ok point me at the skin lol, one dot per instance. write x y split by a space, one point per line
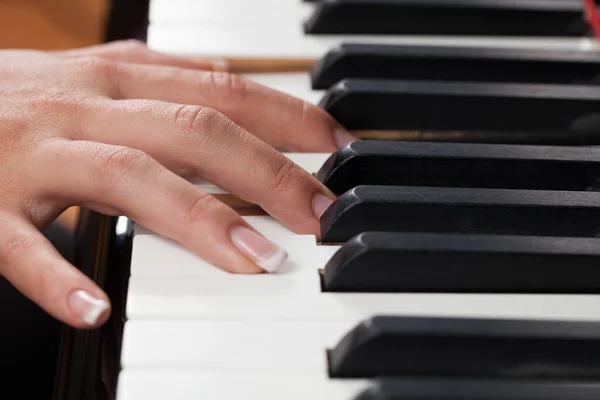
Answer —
117 129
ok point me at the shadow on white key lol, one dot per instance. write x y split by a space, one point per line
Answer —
195 385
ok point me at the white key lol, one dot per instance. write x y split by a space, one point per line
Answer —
298 296
192 288
153 254
284 343
285 39
198 11
294 346
194 385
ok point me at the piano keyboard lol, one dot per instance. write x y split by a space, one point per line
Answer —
275 29
458 264
194 330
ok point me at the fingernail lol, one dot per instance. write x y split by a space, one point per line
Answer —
87 307
343 137
265 253
220 64
320 204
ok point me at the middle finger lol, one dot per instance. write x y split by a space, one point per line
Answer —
201 140
279 119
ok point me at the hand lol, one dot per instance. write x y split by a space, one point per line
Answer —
114 129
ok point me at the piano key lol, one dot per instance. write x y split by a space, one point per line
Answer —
154 254
454 347
455 17
460 210
195 11
285 344
401 262
192 292
472 389
465 106
469 165
135 384
281 39
194 384
455 64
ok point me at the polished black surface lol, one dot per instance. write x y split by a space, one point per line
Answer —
477 389
467 348
395 262
455 63
403 163
373 104
449 17
460 210
89 360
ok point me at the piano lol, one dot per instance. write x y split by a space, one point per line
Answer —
461 260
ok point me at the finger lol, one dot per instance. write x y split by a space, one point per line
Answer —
277 118
200 139
133 51
101 176
30 262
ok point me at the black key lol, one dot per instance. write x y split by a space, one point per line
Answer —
421 262
469 165
464 106
477 389
472 64
461 210
449 17
455 347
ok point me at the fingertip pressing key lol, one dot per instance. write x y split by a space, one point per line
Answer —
343 137
264 253
320 204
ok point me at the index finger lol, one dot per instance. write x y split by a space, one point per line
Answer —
278 118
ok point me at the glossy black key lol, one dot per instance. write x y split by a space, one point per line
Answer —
455 347
477 389
461 210
420 262
449 17
401 163
464 106
406 62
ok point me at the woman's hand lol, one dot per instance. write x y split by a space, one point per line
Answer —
114 129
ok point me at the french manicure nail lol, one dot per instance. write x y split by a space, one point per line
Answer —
343 137
265 253
320 204
88 308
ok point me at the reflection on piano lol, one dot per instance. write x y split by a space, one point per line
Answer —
461 260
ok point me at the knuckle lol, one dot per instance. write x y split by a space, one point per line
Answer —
199 124
231 87
97 67
133 45
285 173
201 207
120 162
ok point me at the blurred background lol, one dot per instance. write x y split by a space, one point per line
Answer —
52 25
